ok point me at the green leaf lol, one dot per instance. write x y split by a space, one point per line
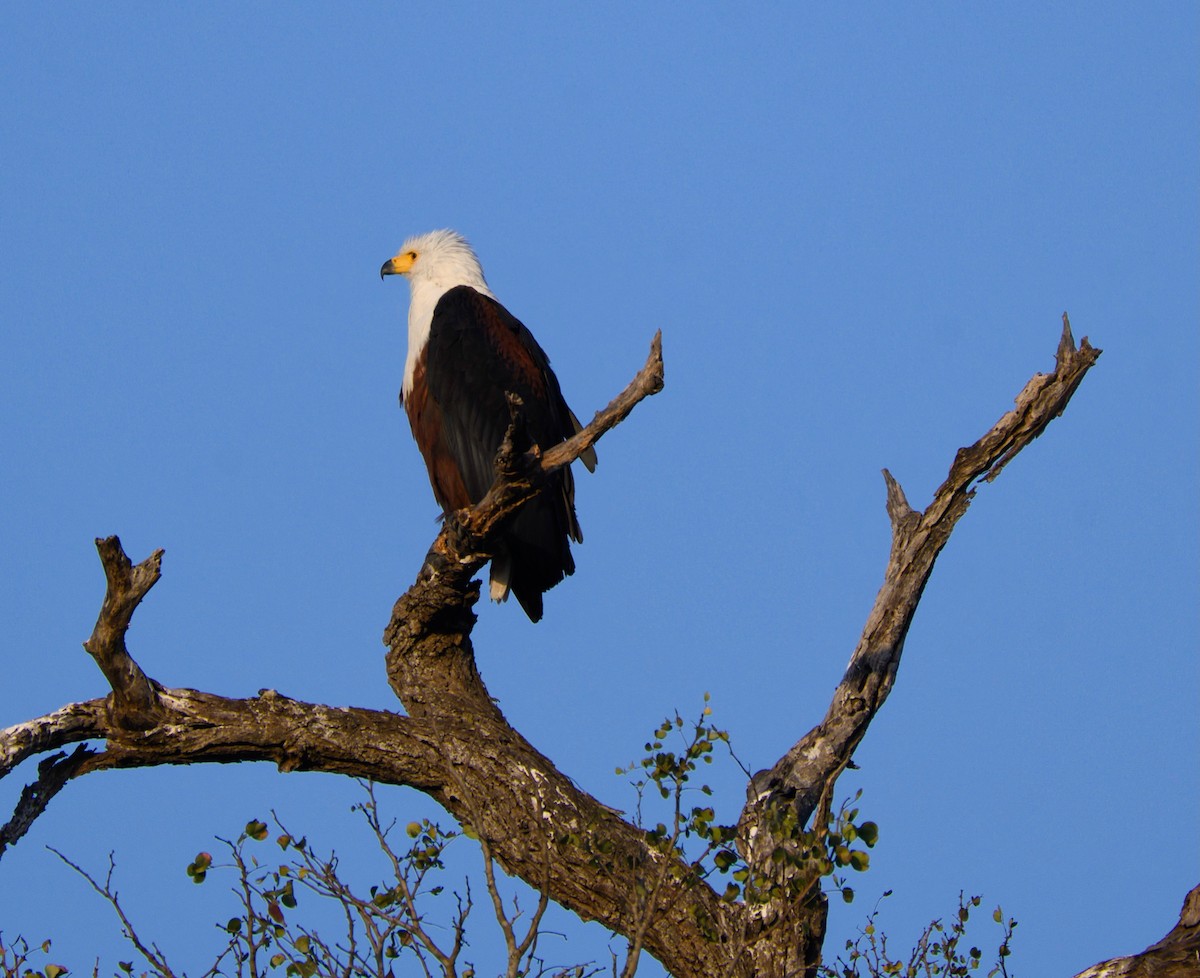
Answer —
302 943
859 860
277 960
198 867
869 833
126 966
54 970
724 859
847 894
413 829
256 830
234 926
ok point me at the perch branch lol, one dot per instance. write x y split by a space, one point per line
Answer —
521 478
511 794
442 600
456 746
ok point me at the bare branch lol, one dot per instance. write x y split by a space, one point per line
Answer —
53 773
649 381
809 769
199 727
456 746
464 545
1176 956
134 698
68 725
152 954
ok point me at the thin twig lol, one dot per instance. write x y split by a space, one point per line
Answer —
152 954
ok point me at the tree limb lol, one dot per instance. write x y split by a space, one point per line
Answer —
53 773
456 746
454 734
134 700
807 772
1176 956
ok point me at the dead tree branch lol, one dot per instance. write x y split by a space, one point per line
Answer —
134 700
53 774
1176 956
455 745
809 769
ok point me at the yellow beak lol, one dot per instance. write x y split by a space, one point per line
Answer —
400 265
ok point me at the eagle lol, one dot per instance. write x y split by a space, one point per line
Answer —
466 352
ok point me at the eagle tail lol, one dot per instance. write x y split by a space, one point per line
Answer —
501 573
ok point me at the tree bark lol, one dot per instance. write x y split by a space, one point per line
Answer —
455 745
1176 956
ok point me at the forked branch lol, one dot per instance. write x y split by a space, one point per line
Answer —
456 746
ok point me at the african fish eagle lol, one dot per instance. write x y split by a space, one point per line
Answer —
465 351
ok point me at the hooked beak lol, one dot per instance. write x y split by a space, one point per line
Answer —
401 264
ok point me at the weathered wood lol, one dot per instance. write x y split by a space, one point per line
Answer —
1176 956
134 702
807 772
456 746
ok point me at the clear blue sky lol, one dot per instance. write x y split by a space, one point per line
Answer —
857 231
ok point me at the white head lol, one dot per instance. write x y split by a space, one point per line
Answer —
433 263
437 260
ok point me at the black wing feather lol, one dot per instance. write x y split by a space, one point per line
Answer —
477 352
